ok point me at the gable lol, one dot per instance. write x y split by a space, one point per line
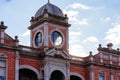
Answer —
8 40
54 52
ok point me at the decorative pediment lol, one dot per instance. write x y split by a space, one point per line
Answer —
2 55
55 52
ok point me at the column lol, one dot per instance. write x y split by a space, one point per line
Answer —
46 70
91 72
45 38
67 70
16 65
2 36
101 57
111 74
2 29
110 58
119 60
16 59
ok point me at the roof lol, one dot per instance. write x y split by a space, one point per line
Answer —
52 9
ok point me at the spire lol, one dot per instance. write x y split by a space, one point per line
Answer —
48 1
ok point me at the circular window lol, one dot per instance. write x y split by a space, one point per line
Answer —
38 39
56 38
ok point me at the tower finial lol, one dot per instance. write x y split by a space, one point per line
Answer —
48 1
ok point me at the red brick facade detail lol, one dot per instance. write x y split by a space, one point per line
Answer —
47 61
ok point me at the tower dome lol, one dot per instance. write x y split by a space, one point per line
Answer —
52 9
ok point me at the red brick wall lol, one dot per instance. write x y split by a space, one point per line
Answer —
11 62
97 69
31 62
77 69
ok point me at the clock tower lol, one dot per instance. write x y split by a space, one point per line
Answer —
49 33
49 28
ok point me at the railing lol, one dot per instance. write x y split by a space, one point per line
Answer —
29 49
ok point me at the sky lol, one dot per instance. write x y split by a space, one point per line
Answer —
93 22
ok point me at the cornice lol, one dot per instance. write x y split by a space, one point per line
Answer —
48 20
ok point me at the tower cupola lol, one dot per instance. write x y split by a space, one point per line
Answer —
51 9
49 27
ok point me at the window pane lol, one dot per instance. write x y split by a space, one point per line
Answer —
38 39
2 78
101 77
2 63
2 71
118 78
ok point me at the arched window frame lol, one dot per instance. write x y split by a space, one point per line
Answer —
3 66
118 78
101 76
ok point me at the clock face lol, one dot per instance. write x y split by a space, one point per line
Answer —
56 38
38 39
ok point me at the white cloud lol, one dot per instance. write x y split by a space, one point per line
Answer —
92 39
77 21
77 50
84 21
71 13
74 37
27 33
79 5
113 34
75 33
74 17
106 19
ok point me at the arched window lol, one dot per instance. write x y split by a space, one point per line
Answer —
57 75
2 66
101 75
118 77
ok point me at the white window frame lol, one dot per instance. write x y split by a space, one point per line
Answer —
118 78
3 58
101 74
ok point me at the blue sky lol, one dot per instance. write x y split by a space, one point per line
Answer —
93 22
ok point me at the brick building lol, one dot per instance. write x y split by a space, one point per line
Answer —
48 58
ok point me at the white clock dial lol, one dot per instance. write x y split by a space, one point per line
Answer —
38 39
56 38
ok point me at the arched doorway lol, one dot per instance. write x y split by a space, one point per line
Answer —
73 77
27 74
57 75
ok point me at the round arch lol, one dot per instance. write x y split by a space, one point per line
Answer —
57 75
30 68
77 75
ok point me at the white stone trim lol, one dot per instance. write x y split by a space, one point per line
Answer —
119 60
101 71
33 41
16 65
38 27
76 74
67 38
62 53
46 34
4 58
110 56
31 37
31 68
2 36
101 57
91 72
53 64
63 38
41 74
56 25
